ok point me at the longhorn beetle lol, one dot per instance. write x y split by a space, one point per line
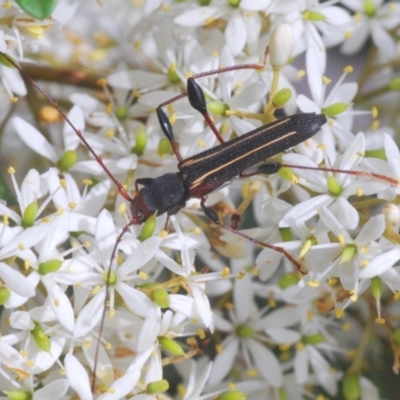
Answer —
205 172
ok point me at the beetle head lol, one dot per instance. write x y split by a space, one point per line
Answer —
140 211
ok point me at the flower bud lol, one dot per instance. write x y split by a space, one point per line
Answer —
348 253
41 339
141 142
164 146
121 112
313 339
30 215
334 187
335 109
171 345
160 297
280 45
391 212
288 280
234 395
376 287
160 386
4 295
217 108
244 331
351 387
282 97
18 395
147 228
49 266
67 160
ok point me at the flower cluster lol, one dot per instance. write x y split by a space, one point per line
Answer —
188 305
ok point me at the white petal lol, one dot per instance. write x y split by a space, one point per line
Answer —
283 336
223 361
252 93
16 281
263 356
77 377
54 390
122 386
197 17
150 330
60 303
235 34
371 231
105 236
21 320
90 315
136 79
243 298
71 139
380 264
300 366
135 300
34 139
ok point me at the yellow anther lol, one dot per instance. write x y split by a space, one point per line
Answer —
322 146
5 220
375 124
354 298
346 327
27 264
101 82
225 272
21 246
214 53
109 108
300 346
14 99
137 44
313 283
364 249
284 347
359 192
357 17
172 118
342 240
72 205
60 211
301 73
11 170
332 281
46 220
163 234
201 333
56 302
310 315
219 349
122 209
374 112
347 35
339 313
255 271
87 343
7 5
95 290
63 183
229 305
49 114
108 346
326 80
232 386
348 70
143 275
111 313
305 249
36 31
396 296
252 373
240 275
87 182
209 20
86 244
109 133
380 321
364 263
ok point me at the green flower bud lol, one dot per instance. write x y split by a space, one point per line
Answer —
283 394
49 266
313 339
286 173
160 297
288 280
244 331
171 345
147 285
234 3
147 228
334 187
157 387
377 153
286 234
41 339
394 84
67 160
314 16
4 295
164 146
217 108
121 112
334 109
5 62
376 287
30 215
396 337
112 279
141 142
348 253
173 77
282 97
234 395
351 386
18 395
369 8
280 46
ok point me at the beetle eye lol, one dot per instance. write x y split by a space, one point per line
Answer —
139 216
